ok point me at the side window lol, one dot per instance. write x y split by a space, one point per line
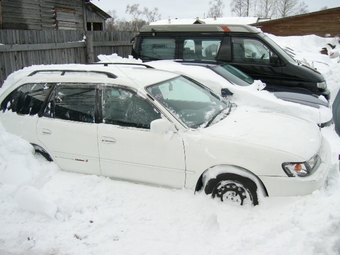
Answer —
201 48
158 48
72 103
27 99
189 50
177 94
251 51
124 108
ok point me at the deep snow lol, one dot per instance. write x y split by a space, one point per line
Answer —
48 211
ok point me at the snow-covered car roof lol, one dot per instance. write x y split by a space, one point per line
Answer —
134 76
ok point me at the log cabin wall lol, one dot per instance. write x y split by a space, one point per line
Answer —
324 23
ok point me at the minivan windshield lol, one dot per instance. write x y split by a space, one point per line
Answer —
190 102
277 48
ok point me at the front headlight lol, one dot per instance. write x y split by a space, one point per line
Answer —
321 85
302 169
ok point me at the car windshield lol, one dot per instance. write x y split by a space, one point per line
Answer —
278 48
233 75
190 102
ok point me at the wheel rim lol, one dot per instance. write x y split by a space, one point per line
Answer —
233 192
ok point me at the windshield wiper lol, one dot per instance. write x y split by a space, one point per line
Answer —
217 114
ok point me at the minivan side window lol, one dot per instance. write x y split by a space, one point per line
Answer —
125 108
27 99
248 50
200 48
158 48
72 103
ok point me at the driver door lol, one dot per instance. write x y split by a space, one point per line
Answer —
256 59
129 150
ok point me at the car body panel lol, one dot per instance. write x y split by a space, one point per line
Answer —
301 186
303 99
73 145
254 131
141 155
254 138
21 125
336 113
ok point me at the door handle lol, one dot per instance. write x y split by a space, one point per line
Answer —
46 131
108 140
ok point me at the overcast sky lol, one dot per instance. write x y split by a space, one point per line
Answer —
187 8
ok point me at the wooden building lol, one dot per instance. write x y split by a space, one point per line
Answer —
323 23
95 17
51 14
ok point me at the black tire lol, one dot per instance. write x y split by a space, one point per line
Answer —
233 188
42 152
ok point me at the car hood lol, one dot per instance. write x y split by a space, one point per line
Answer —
300 98
268 129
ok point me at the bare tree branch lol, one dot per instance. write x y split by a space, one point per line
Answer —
216 9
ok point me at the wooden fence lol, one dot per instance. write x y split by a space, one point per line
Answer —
22 48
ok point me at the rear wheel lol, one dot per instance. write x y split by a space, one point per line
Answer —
232 188
42 152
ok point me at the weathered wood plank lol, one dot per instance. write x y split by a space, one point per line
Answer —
45 46
21 48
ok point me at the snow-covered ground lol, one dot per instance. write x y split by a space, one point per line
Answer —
48 211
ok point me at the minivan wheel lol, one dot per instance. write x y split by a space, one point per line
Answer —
237 190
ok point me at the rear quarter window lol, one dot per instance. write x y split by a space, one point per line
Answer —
158 48
27 99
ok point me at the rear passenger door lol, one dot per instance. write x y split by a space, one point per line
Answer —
68 130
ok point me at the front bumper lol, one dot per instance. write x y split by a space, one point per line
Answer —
298 186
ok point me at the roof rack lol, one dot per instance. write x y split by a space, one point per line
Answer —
63 72
200 28
123 63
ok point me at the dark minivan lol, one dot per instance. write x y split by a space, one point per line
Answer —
243 46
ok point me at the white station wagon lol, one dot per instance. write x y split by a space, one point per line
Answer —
157 127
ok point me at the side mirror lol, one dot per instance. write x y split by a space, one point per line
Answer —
226 92
160 126
275 60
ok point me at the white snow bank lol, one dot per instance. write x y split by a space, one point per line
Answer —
31 199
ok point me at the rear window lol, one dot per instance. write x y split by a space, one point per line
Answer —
158 48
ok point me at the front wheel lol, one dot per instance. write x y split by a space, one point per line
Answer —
233 188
